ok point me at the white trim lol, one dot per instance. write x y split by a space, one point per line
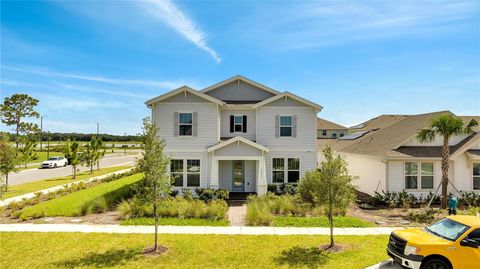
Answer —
289 95
419 176
241 123
239 78
185 124
280 126
241 158
239 139
183 89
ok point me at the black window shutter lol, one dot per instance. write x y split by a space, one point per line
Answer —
244 123
232 123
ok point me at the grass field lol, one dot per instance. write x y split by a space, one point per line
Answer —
71 204
41 156
176 222
77 250
16 190
340 222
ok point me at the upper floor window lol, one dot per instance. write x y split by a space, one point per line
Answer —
413 174
342 134
324 132
238 124
476 176
286 125
334 135
185 125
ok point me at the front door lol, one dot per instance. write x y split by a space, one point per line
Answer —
238 177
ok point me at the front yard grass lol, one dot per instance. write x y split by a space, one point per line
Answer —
88 250
72 204
338 222
176 222
15 190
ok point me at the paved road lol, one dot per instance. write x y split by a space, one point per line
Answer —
39 174
387 264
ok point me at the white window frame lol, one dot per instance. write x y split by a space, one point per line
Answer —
285 126
475 176
419 175
184 124
277 170
286 170
184 174
179 174
193 173
235 123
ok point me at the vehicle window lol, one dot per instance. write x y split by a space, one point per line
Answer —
52 159
447 229
475 235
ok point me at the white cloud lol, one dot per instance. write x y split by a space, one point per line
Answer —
167 11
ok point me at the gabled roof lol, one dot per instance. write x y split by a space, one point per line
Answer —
288 95
379 122
237 139
182 90
328 125
242 78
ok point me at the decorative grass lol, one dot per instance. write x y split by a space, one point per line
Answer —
175 222
15 190
338 222
73 204
91 250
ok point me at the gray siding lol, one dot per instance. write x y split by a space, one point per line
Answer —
225 175
163 116
289 102
185 98
308 161
225 123
306 129
239 91
238 149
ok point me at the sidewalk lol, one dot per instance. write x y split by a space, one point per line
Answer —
231 230
59 187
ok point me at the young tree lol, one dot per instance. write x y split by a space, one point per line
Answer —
445 126
14 109
8 159
71 151
97 146
88 157
329 186
28 150
156 184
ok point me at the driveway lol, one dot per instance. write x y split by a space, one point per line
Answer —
387 264
39 174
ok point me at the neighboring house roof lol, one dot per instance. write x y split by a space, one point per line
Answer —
239 139
288 95
379 122
182 90
242 78
328 125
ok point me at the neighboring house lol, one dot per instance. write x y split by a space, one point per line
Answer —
330 130
237 135
386 155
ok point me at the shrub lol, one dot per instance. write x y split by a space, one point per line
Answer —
288 188
422 216
258 214
222 194
406 200
174 193
207 194
470 199
99 205
125 209
273 188
216 210
187 194
474 211
84 209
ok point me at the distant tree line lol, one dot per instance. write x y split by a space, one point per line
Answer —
84 137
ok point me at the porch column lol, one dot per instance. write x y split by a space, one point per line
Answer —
214 175
261 177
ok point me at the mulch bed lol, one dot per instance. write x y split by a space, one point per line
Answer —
335 249
150 251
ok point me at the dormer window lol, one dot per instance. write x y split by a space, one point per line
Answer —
185 124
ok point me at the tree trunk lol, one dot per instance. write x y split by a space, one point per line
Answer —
330 221
98 165
16 139
74 171
445 167
6 182
91 168
156 224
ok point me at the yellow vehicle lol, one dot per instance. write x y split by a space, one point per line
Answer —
452 243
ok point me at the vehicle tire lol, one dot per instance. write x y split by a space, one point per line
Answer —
66 163
435 263
55 166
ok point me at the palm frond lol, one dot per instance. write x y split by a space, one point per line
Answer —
426 135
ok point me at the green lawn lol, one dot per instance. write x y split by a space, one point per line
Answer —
71 204
41 156
340 222
176 222
16 190
88 250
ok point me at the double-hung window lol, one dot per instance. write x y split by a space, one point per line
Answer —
293 170
238 124
413 174
193 173
185 124
176 171
286 125
324 132
278 170
476 176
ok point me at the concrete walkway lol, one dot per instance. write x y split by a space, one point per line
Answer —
237 230
236 213
387 264
59 187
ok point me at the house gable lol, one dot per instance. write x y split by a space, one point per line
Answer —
184 94
239 89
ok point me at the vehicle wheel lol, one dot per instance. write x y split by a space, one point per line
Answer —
65 164
435 263
55 166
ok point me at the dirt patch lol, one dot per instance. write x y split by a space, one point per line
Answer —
335 249
151 251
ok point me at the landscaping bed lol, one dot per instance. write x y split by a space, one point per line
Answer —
322 221
48 250
176 222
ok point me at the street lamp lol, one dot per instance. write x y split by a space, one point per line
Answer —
98 126
41 130
125 146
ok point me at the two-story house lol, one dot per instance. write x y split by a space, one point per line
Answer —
237 134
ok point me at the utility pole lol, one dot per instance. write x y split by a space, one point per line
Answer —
41 130
48 145
98 126
125 145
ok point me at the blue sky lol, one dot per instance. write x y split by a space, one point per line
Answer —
92 61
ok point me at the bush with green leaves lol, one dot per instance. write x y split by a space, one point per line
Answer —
207 194
470 199
273 188
288 188
423 216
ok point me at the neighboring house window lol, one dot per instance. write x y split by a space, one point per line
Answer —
334 135
286 125
193 173
278 170
185 124
238 122
176 170
411 172
293 170
342 134
476 176
324 132
425 174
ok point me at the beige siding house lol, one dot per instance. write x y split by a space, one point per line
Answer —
237 134
385 154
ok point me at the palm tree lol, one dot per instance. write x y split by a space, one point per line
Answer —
446 126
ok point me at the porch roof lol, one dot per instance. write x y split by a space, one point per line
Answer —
237 139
